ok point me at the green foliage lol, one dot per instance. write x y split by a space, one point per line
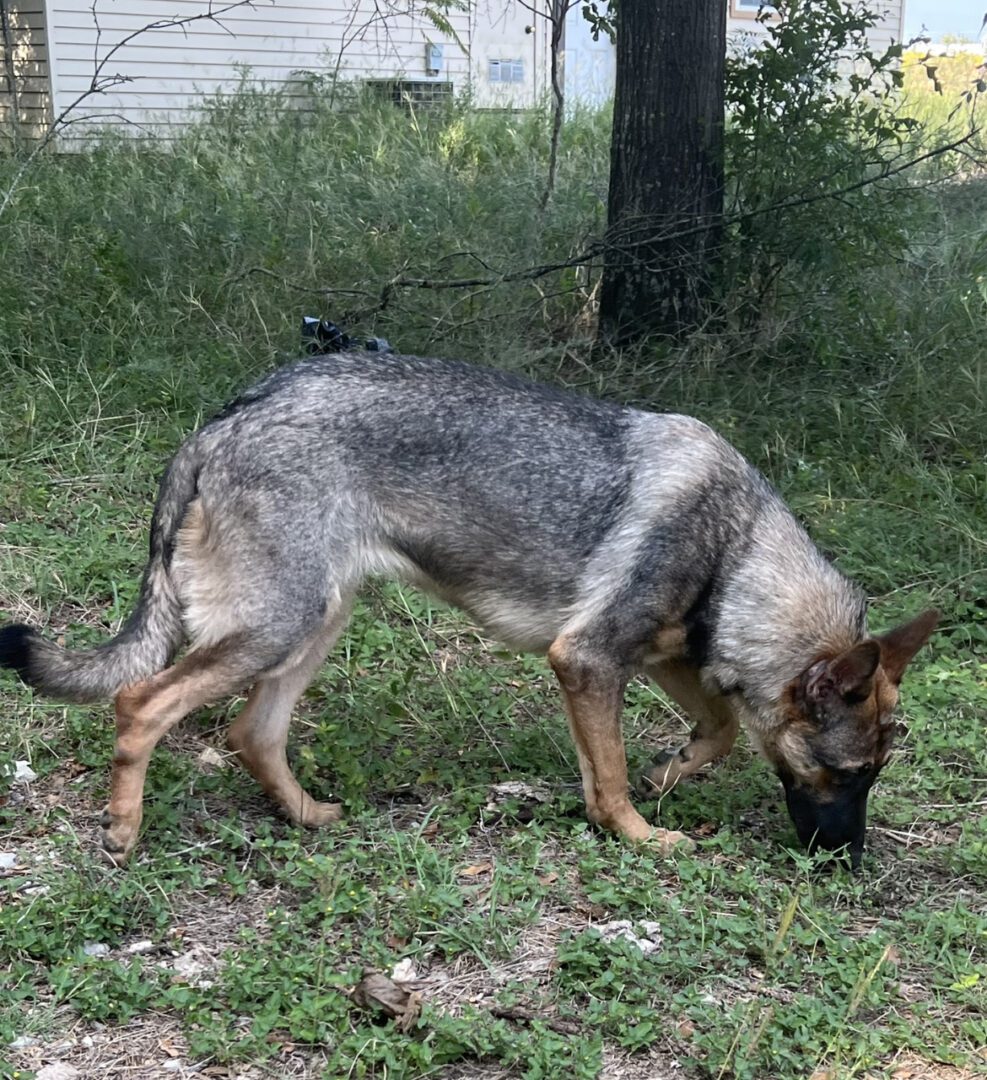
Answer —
945 93
814 110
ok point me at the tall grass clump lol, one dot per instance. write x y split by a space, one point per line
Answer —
168 272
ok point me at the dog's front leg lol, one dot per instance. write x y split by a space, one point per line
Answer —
593 689
715 731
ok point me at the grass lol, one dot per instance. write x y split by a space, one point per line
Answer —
138 290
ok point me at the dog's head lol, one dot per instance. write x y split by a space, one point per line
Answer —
837 735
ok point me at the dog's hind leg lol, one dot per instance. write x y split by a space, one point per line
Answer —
259 734
147 710
593 693
713 736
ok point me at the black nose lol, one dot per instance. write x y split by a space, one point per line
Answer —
834 824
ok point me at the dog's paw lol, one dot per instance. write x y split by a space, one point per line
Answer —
662 776
633 828
117 837
312 814
322 813
668 841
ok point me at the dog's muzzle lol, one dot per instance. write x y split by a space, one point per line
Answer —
835 824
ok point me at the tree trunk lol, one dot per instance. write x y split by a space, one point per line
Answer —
666 169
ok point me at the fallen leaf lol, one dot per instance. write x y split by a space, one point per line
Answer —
517 789
189 967
686 1029
646 935
58 1070
548 879
378 993
210 758
169 1048
24 774
527 1016
591 912
476 869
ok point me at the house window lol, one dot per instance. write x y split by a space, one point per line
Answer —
505 71
406 93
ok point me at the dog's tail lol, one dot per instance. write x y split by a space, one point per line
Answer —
148 639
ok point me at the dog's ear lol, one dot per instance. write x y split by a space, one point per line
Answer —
849 676
898 646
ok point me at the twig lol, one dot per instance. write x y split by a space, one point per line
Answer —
557 12
526 1016
296 285
10 74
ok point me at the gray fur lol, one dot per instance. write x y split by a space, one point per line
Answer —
541 513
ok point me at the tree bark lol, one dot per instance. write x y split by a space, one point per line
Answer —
665 204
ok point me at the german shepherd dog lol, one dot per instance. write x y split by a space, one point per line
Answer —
616 541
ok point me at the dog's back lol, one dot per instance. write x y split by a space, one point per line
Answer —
521 503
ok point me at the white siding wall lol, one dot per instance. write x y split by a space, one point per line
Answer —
503 30
590 66
171 68
892 28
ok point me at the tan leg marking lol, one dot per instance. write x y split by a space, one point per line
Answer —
716 727
594 700
144 713
259 734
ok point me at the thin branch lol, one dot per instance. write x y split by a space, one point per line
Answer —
629 238
10 74
624 238
559 9
296 285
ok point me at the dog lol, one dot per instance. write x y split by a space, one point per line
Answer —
616 541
